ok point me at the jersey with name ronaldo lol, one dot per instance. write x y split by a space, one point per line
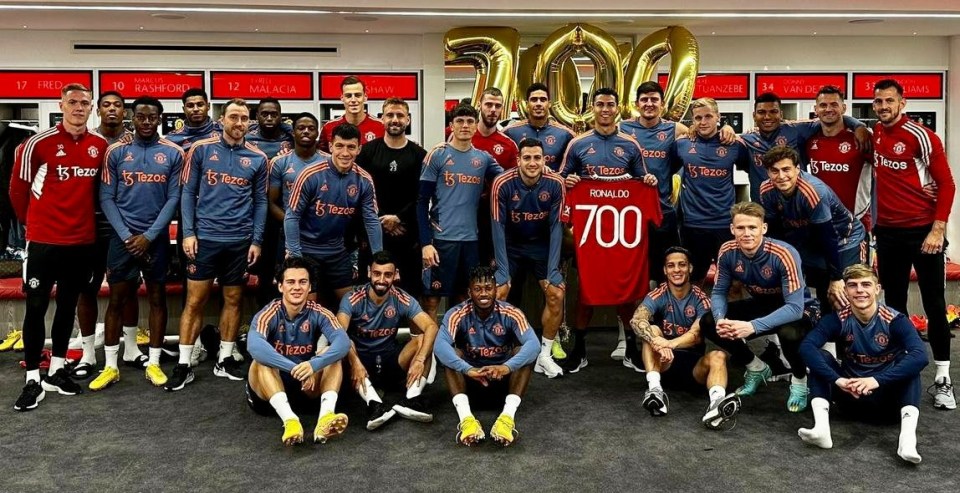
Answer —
611 221
140 192
459 177
812 202
53 185
323 203
224 196
604 155
707 169
295 339
771 276
914 184
838 162
657 143
498 145
285 169
553 136
373 328
370 128
887 347
676 316
527 218
484 341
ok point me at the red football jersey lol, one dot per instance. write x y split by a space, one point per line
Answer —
498 145
914 183
370 128
611 222
838 163
53 186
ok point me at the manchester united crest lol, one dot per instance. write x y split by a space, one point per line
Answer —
498 149
92 151
899 147
160 158
352 190
781 141
367 137
661 136
390 312
305 327
722 151
618 151
690 311
475 162
245 162
498 329
844 147
766 272
550 140
544 196
882 339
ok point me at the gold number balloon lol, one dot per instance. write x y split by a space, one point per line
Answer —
569 90
566 42
493 50
684 53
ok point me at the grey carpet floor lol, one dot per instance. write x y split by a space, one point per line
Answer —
584 432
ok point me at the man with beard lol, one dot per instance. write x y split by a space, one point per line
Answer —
372 314
270 134
488 349
394 162
540 126
224 207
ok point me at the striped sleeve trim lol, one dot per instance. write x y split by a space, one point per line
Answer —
790 265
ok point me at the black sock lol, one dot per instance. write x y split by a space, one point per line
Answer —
580 342
631 340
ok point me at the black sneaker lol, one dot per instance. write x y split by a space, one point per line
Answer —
378 414
229 368
182 375
574 362
414 409
655 401
30 397
771 356
61 383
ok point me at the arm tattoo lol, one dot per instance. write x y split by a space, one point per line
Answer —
641 323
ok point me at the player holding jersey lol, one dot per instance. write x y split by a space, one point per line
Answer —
139 195
288 370
914 193
372 314
540 126
878 375
668 322
604 152
779 301
526 204
488 349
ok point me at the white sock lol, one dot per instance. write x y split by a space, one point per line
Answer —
185 351
368 393
943 371
110 356
130 350
756 364
907 448
417 388
282 406
226 351
33 375
798 381
510 405
716 393
155 353
55 365
653 380
87 343
328 402
819 435
462 404
545 346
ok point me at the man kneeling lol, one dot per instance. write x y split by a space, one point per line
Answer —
287 368
479 339
879 370
674 347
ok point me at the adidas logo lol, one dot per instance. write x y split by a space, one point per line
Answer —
814 146
449 161
591 150
693 150
324 188
128 157
60 153
215 157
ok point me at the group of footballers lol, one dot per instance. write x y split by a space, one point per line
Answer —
362 232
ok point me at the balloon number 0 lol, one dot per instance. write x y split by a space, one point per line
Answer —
494 52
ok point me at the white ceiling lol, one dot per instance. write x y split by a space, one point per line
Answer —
421 16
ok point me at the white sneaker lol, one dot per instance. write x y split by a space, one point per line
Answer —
432 374
199 354
621 350
943 397
547 366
